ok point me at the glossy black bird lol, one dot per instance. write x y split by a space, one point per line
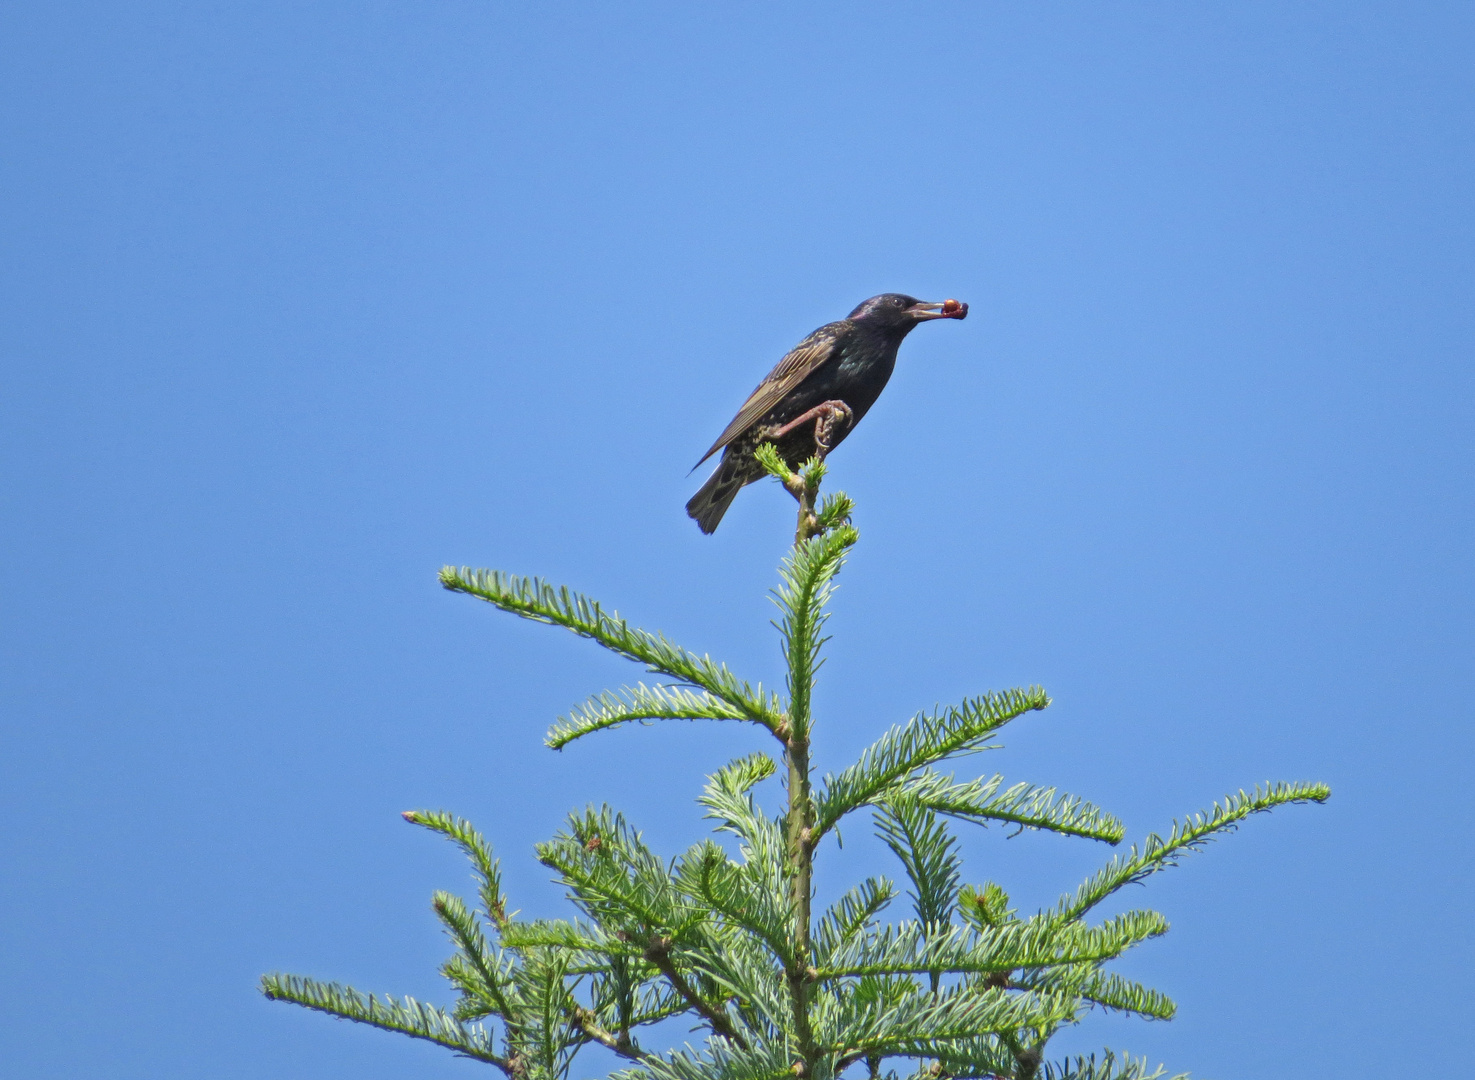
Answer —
815 396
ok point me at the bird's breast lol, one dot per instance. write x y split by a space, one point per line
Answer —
862 373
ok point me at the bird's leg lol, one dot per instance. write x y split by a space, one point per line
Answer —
825 416
828 416
835 418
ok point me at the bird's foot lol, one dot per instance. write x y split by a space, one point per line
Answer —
829 418
835 418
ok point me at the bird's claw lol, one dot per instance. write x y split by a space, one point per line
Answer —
828 416
832 413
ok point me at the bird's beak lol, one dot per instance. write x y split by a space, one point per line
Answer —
947 309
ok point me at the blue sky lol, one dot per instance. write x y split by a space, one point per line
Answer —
303 301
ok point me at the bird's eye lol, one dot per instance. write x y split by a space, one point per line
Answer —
898 301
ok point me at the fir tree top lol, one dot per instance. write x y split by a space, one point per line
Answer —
960 985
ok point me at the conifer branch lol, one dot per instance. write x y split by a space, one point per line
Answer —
639 702
1102 989
727 799
980 801
544 1031
1110 991
406 1016
986 907
719 1060
804 486
1037 943
465 836
666 1005
560 934
737 968
490 977
621 1044
922 741
808 575
928 853
983 1057
659 954
473 1004
626 995
851 916
535 599
773 463
835 510
799 855
1191 835
914 1026
1110 1067
619 881
721 884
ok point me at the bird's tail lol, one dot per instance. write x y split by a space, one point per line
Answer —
709 504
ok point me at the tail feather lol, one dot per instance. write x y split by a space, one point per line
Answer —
709 504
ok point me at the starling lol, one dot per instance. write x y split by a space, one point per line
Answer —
815 396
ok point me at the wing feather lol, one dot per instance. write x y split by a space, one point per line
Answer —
792 370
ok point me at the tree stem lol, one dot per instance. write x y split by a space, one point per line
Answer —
805 494
799 822
620 1044
659 955
801 868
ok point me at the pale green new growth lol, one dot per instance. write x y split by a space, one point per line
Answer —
726 938
768 456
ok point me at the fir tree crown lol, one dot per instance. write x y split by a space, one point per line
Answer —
960 985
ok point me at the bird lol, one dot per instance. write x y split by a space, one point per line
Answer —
814 396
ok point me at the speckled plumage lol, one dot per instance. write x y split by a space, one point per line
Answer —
848 361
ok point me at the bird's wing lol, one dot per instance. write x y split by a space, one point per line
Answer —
792 370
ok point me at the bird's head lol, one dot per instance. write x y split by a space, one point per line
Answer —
898 312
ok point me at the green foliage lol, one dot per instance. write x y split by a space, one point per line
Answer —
980 801
1157 853
768 456
534 599
1110 1067
808 575
723 936
924 740
928 853
985 907
640 702
406 1016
